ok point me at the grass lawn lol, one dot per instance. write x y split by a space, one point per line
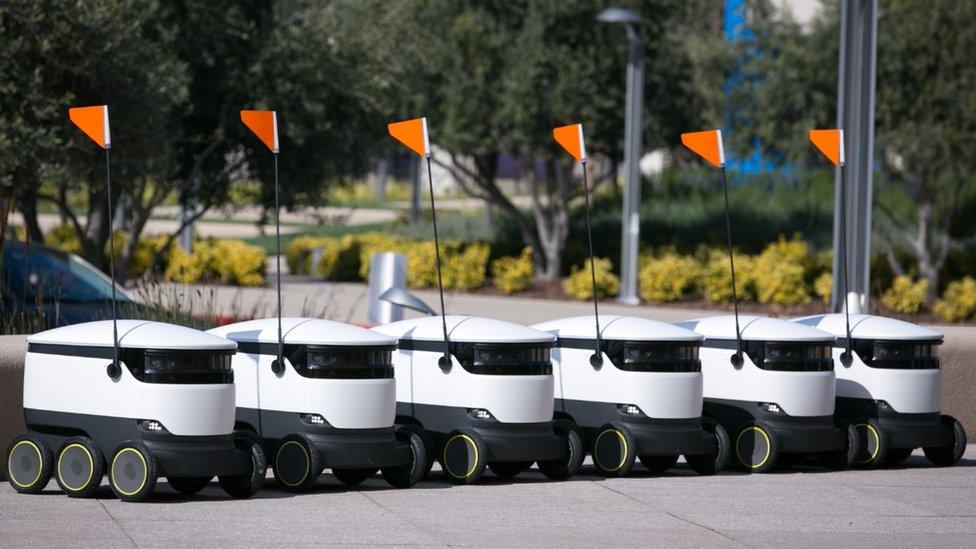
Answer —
268 241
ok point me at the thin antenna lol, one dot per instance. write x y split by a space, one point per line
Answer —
596 360
846 358
737 357
111 256
281 339
445 361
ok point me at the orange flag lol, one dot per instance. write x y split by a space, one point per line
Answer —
571 138
263 124
706 144
830 143
94 122
413 134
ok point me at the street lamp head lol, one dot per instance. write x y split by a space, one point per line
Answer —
618 15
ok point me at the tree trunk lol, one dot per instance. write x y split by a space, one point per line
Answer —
28 205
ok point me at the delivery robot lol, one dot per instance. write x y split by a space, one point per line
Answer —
644 399
891 389
166 408
331 404
776 399
489 405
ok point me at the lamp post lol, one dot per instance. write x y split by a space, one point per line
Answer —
633 126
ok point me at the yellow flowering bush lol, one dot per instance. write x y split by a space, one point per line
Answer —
823 286
905 295
958 302
579 285
513 274
669 277
779 273
717 277
225 261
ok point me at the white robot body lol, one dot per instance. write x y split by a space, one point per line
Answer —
520 398
169 400
77 384
498 388
336 389
649 383
891 388
785 382
905 390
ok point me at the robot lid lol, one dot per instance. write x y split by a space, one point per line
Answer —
618 328
302 331
756 328
464 329
871 327
133 334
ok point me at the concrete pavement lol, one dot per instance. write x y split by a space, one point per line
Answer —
909 506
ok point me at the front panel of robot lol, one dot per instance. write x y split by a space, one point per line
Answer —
907 391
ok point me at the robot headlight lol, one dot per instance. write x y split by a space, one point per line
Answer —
630 410
480 414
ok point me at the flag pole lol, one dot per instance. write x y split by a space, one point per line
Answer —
737 357
445 361
111 257
596 360
846 358
281 339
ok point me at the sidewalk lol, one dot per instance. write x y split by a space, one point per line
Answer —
347 302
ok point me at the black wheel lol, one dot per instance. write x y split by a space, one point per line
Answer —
614 451
464 456
352 477
188 485
562 469
756 447
409 474
133 471
29 464
711 463
841 459
872 443
429 448
79 468
248 484
508 469
944 456
297 464
658 464
897 456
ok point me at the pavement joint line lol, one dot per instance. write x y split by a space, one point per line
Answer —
111 516
651 507
403 518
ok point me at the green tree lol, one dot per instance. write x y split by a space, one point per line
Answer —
925 114
496 77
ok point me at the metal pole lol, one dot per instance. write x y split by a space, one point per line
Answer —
855 113
633 128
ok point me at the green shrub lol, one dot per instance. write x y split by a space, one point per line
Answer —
823 286
371 243
64 238
958 302
717 278
513 273
779 273
669 277
905 295
298 253
579 284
